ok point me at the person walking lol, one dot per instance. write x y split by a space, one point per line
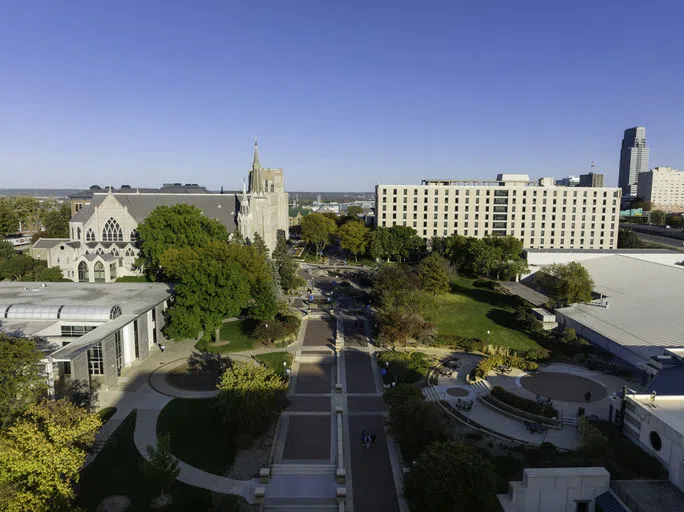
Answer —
587 396
363 437
162 348
373 439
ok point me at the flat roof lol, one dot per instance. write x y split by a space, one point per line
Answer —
644 298
668 409
134 299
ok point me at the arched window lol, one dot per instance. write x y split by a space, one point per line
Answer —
135 236
115 251
99 272
99 251
78 233
90 236
129 252
112 231
83 272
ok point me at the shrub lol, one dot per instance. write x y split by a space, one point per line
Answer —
402 393
459 342
404 367
494 360
537 354
415 424
523 404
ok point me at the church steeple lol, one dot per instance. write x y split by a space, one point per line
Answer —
256 182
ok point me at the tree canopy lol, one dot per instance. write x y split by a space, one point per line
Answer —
162 467
22 267
499 257
174 227
451 476
657 217
434 274
354 237
628 239
21 379
55 221
317 230
354 211
415 424
396 243
250 397
286 266
566 283
41 455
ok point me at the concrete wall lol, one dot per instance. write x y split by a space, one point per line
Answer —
109 361
143 336
79 368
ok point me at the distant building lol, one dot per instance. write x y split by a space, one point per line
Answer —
103 237
296 215
633 159
591 180
570 181
664 187
542 216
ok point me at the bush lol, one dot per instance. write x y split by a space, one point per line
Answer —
459 342
402 393
415 424
537 354
523 404
489 363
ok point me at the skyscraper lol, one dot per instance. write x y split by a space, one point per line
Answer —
633 159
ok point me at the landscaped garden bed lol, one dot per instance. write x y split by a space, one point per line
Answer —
524 404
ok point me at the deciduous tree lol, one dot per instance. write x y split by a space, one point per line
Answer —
566 283
161 468
657 217
174 227
434 274
21 379
250 397
287 267
354 237
354 211
41 455
415 424
451 476
317 229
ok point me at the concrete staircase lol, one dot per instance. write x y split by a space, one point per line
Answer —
303 469
325 356
481 388
570 420
301 487
291 504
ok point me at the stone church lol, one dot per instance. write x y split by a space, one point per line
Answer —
103 241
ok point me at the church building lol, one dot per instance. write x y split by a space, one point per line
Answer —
103 237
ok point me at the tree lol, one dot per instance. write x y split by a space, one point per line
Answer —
250 396
657 217
566 283
161 467
628 239
55 221
28 212
21 379
287 267
415 424
434 274
354 211
451 476
260 246
499 257
354 237
42 454
674 220
7 251
9 224
569 335
317 229
264 305
395 243
174 227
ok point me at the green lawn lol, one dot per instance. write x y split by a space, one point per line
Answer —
275 360
198 435
237 334
471 311
403 367
116 470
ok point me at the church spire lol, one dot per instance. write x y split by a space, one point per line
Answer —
256 183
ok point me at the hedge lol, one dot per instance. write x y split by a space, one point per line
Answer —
524 404
456 341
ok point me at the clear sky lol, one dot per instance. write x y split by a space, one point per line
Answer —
342 94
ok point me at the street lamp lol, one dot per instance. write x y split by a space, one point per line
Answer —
488 333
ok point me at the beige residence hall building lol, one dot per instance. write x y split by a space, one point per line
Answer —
541 214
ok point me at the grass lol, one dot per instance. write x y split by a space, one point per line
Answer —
180 377
403 367
275 360
116 470
471 311
237 333
198 435
106 413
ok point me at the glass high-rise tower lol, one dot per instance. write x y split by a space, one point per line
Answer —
633 159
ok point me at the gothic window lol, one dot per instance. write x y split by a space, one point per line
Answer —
90 236
99 272
112 231
129 252
99 250
78 233
83 272
115 251
135 236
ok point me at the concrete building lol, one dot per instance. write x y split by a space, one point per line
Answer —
542 214
103 241
570 181
664 187
591 180
88 333
633 159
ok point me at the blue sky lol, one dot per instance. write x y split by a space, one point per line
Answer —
342 94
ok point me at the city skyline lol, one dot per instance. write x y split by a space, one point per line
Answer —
341 97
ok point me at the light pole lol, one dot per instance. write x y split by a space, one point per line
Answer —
488 338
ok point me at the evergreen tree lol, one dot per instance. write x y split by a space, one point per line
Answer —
161 467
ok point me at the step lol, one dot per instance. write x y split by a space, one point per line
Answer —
569 420
289 504
316 357
303 469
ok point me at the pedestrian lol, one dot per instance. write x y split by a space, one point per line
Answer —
363 437
373 439
587 396
367 441
162 347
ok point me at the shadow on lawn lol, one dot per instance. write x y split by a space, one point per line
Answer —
496 299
